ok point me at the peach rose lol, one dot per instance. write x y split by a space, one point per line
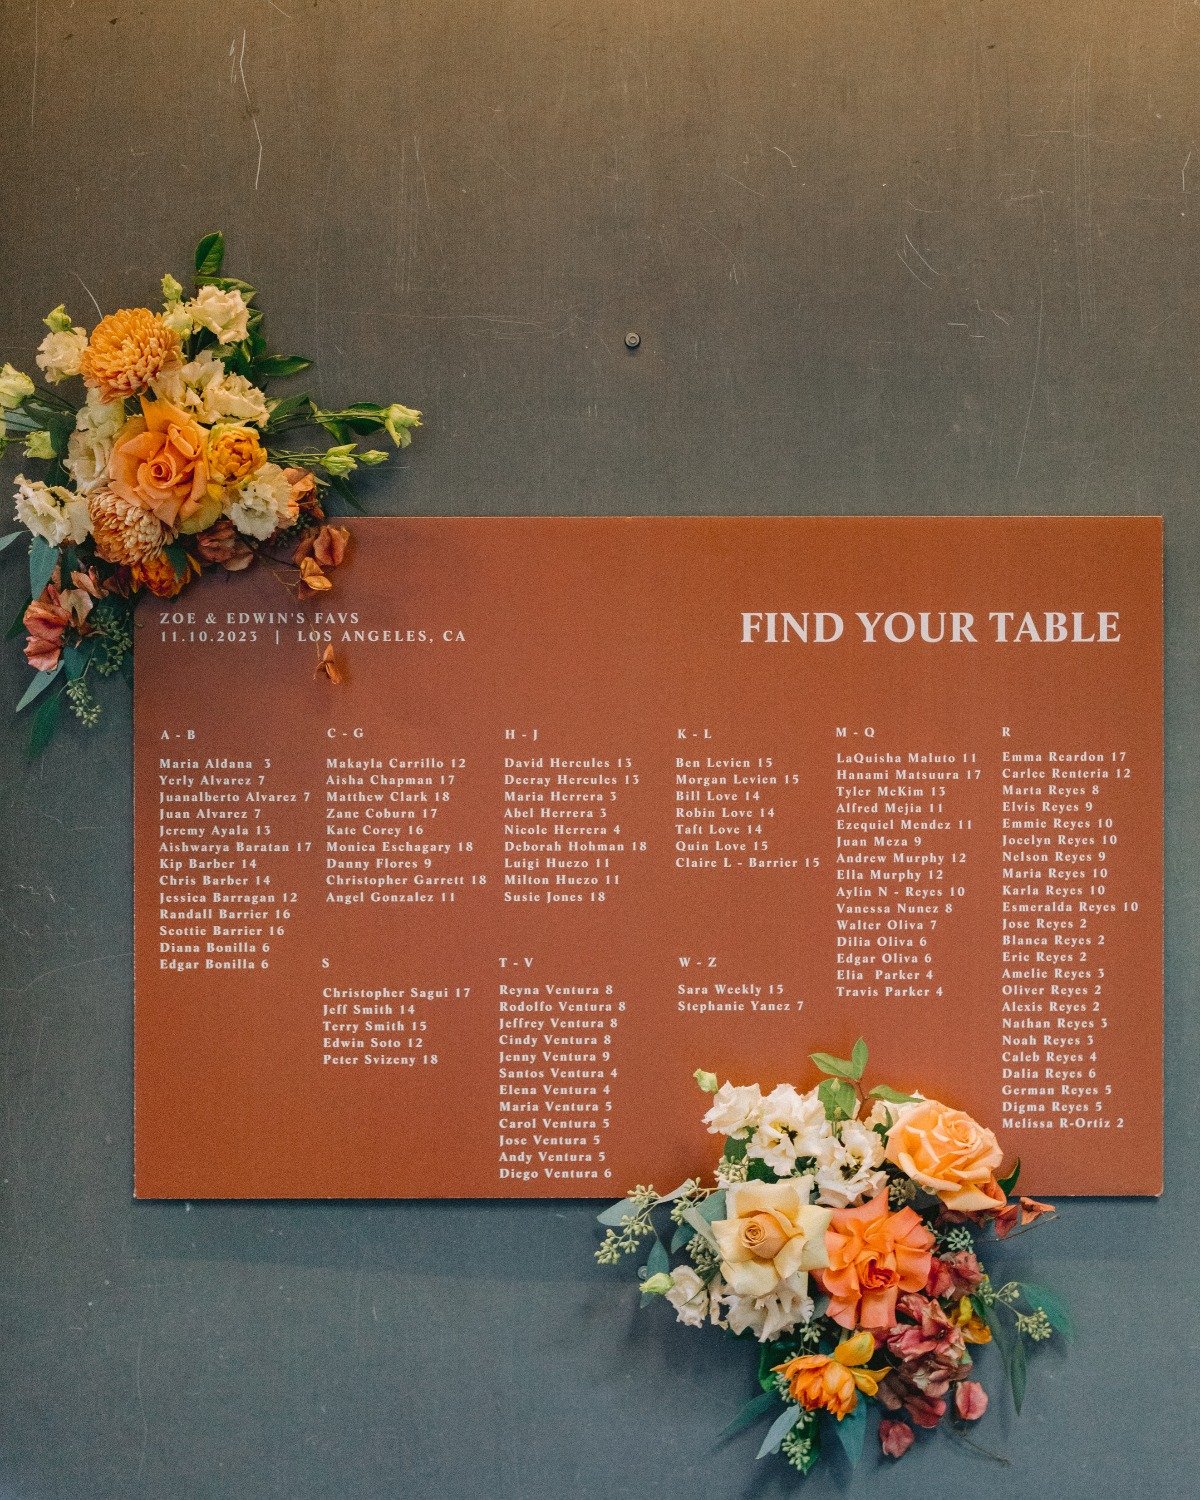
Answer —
772 1234
873 1255
948 1153
158 460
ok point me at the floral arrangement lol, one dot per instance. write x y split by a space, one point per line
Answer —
170 457
841 1235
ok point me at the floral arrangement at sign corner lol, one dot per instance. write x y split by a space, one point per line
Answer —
842 1235
168 457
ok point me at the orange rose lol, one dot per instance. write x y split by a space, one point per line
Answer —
831 1382
159 576
948 1153
234 453
158 461
873 1255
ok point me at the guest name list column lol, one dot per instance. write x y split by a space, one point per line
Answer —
588 810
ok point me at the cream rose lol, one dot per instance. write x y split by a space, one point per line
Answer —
51 511
89 448
60 352
223 313
772 1235
264 503
947 1153
734 1109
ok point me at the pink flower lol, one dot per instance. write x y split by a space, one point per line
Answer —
956 1276
970 1400
897 1394
46 619
895 1437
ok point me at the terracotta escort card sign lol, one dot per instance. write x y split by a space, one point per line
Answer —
601 801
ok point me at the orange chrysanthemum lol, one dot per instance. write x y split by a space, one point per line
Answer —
122 530
126 351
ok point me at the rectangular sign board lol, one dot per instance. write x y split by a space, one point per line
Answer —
598 802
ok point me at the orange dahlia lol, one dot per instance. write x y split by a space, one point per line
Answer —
126 351
122 530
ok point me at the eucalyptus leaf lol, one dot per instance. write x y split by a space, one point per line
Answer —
756 1407
699 1225
1052 1305
37 687
1007 1184
18 623
613 1217
851 1431
778 1430
45 722
713 1207
684 1187
43 559
75 661
1018 1371
7 541
658 1259
683 1233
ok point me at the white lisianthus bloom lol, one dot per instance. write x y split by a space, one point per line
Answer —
768 1317
688 1296
264 503
178 318
792 1125
54 513
223 313
14 387
734 1110
852 1176
208 392
90 446
58 354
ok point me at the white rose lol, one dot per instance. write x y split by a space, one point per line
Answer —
89 447
264 503
223 313
734 1110
768 1317
208 392
52 512
59 353
688 1296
